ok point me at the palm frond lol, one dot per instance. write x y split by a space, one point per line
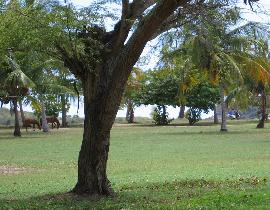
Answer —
258 68
56 88
17 75
232 67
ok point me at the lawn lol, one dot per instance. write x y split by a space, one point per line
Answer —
173 167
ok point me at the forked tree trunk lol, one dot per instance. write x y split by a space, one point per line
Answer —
182 112
22 112
64 111
17 130
215 115
45 126
263 111
223 108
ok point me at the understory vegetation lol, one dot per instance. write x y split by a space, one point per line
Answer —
167 167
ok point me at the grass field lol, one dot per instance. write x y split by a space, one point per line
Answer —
174 167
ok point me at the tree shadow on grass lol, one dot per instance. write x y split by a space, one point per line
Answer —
173 125
215 132
180 194
25 136
198 124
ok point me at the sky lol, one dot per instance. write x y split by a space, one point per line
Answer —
145 111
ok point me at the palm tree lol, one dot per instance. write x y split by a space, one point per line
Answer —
73 88
216 50
215 115
17 84
257 80
218 62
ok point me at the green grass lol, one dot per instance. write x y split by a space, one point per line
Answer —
172 167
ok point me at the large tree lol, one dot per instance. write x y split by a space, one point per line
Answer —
160 88
104 78
201 97
104 81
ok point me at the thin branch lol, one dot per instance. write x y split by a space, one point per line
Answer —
123 27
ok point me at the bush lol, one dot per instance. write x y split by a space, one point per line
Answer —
193 115
160 116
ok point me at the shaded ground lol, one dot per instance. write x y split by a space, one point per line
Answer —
193 194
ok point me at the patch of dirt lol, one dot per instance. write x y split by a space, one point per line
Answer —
7 170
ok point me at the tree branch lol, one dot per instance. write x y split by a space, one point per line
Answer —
70 61
186 15
145 30
130 12
122 28
151 23
139 6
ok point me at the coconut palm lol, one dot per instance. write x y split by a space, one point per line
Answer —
220 66
17 85
257 80
216 50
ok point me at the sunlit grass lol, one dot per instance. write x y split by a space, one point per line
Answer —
149 167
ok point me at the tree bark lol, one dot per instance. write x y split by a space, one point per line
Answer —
45 126
164 117
223 107
100 110
64 111
127 113
267 117
182 112
17 130
130 112
215 115
22 112
131 116
263 111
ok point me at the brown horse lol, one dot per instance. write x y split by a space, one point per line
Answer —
53 120
29 122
